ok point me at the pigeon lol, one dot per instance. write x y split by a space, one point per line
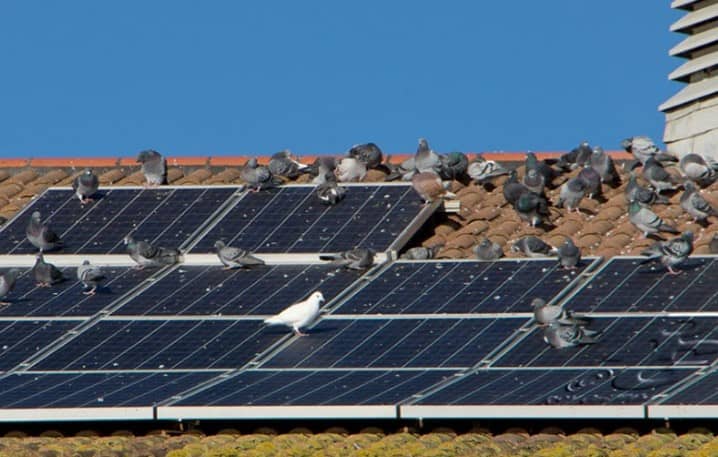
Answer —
354 259
713 244
405 170
604 166
643 148
90 276
323 172
232 257
321 166
592 180
571 194
420 253
329 192
453 165
578 157
660 179
694 203
695 168
672 252
430 187
488 250
426 159
7 283
283 164
85 186
299 314
643 195
40 235
350 169
481 170
513 189
569 255
647 221
544 169
257 176
564 336
534 181
146 255
546 314
368 153
532 208
532 246
154 167
46 274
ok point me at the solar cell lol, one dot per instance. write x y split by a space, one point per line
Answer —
460 287
701 392
22 339
395 343
291 219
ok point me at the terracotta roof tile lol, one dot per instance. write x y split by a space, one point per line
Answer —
474 228
132 179
23 177
10 189
451 253
226 176
436 240
112 176
51 177
589 241
462 241
174 174
196 177
703 249
374 176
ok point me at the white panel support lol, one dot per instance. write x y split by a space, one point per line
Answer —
683 411
277 412
522 411
75 414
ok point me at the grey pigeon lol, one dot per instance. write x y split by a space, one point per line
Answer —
534 181
453 165
258 176
329 192
713 244
488 250
672 252
564 336
513 189
533 163
571 194
569 255
420 253
40 235
426 159
658 177
532 246
532 208
592 180
643 148
323 174
481 170
697 169
354 259
232 257
146 255
604 165
577 157
321 166
646 220
368 153
350 169
154 167
546 314
284 164
640 194
430 187
46 274
7 283
85 186
694 203
90 276
405 170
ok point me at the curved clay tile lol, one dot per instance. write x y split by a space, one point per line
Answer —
597 227
451 253
9 190
23 177
51 177
174 174
474 228
436 240
134 179
461 241
611 212
567 227
4 174
373 175
497 237
226 176
589 241
32 190
487 214
617 241
469 199
703 249
111 177
196 177
509 227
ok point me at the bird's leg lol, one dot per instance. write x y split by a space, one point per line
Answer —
299 332
138 267
42 284
91 292
672 271
87 200
5 303
227 267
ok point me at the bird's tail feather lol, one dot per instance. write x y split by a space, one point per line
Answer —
274 320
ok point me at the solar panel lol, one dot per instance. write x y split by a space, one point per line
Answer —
210 290
165 216
460 287
395 343
624 284
20 340
292 220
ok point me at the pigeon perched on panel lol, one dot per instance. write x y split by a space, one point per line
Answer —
232 257
350 169
90 276
647 221
368 153
46 274
329 192
694 203
7 283
421 253
453 165
258 176
354 259
299 314
430 187
532 246
482 170
146 255
604 166
154 167
642 195
85 186
569 255
40 235
571 194
565 336
532 208
488 250
426 159
671 253
283 164
658 177
546 314
697 169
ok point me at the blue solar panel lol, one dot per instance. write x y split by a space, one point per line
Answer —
701 392
626 341
22 339
161 344
394 343
73 390
66 298
291 219
164 216
336 387
627 285
557 387
210 290
460 287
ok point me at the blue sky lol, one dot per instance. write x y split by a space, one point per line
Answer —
95 78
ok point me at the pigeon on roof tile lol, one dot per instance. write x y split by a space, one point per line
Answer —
671 253
426 159
643 148
534 181
146 255
299 314
40 235
532 208
544 169
643 195
453 165
430 187
232 257
488 250
647 221
569 255
592 180
658 177
604 165
354 259
571 194
283 164
258 177
90 276
694 203
577 157
698 170
85 186
513 189
154 167
369 153
46 274
7 284
532 246
565 336
481 170
350 169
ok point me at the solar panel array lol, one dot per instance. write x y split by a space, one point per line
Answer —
437 338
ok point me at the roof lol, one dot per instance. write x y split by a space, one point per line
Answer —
693 42
694 18
691 92
601 228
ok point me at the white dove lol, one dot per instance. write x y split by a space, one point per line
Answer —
299 314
